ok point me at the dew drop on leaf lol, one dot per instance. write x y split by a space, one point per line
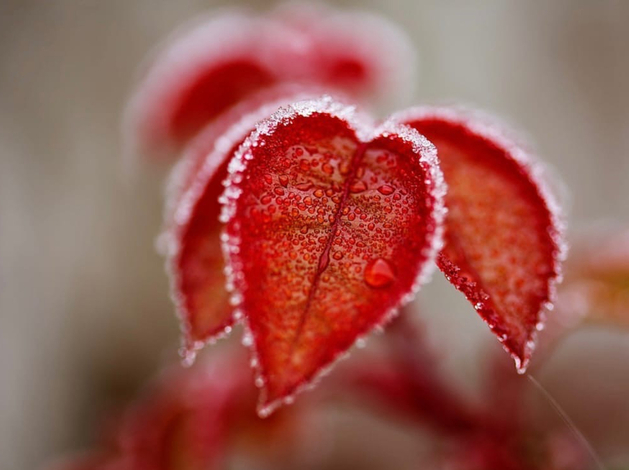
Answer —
379 273
386 189
358 187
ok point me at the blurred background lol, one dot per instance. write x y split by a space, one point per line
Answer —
85 316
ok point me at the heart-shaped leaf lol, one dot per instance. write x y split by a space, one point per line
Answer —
502 242
192 232
330 228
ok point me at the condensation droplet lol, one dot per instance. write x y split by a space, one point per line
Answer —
386 189
358 187
379 273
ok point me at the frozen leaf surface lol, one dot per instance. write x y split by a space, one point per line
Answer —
330 226
502 240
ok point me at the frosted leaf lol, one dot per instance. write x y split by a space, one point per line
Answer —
503 241
321 262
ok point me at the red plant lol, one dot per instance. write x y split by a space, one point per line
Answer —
312 224
332 220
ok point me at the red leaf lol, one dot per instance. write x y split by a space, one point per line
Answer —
195 260
358 53
502 242
596 289
330 224
199 74
193 418
183 421
215 64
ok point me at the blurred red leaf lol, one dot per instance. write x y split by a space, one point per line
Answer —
502 241
213 64
355 52
192 419
200 73
596 289
330 224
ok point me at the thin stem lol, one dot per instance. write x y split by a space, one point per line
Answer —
566 419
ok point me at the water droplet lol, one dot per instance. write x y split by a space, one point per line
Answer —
386 189
304 186
379 273
327 168
358 187
345 168
337 255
